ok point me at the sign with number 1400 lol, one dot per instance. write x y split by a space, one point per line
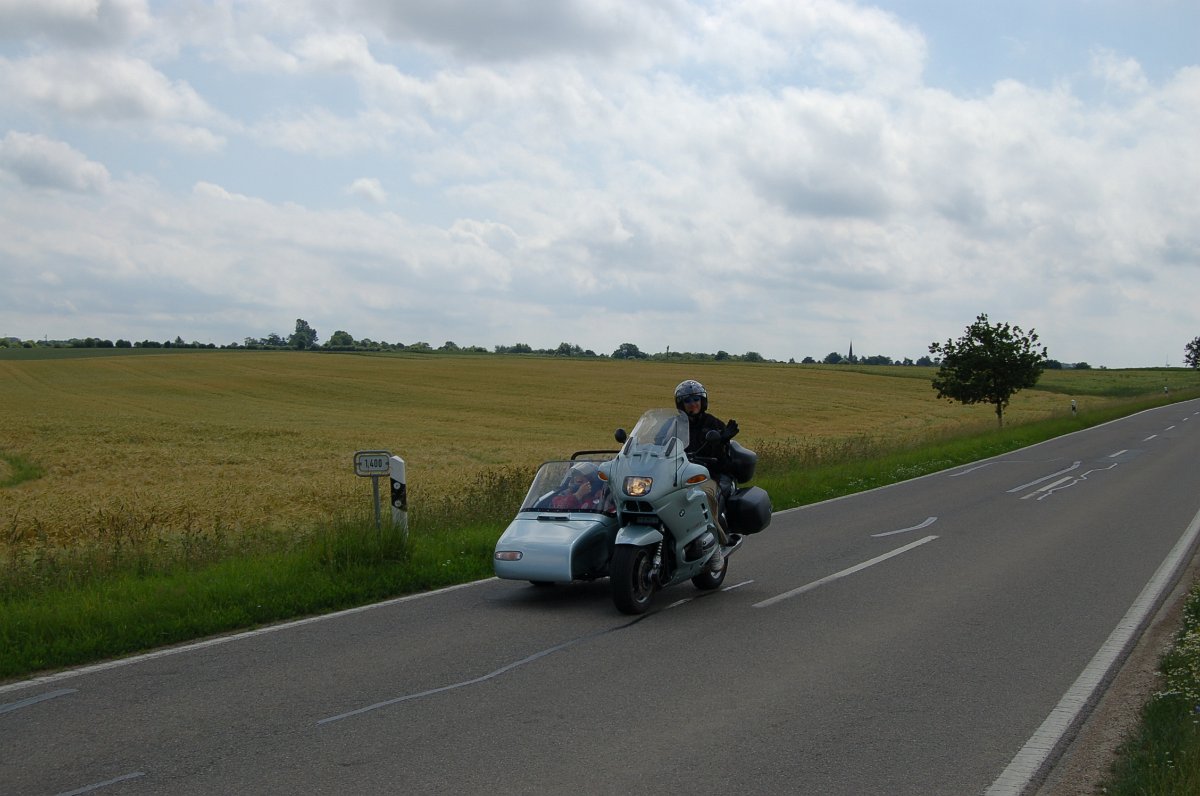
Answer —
372 462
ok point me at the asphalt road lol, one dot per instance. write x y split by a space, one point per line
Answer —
937 636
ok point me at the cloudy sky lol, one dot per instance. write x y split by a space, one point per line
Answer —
779 176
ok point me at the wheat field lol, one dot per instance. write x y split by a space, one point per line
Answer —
240 441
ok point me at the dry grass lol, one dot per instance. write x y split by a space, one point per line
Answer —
231 442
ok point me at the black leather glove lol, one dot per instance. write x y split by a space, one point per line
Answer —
731 429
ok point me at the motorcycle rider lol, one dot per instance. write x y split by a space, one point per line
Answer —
692 399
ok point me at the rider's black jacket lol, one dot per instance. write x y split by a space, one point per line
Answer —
698 444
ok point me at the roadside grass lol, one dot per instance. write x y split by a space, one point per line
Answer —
1131 383
338 567
1162 757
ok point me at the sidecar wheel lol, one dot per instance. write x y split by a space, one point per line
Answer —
631 578
707 581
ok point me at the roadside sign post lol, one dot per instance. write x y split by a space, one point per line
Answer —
399 495
374 464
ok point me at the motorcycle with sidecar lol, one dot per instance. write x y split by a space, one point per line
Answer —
649 523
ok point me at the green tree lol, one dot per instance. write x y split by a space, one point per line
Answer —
340 339
628 351
988 364
304 337
1192 356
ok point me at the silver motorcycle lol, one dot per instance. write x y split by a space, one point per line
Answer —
667 531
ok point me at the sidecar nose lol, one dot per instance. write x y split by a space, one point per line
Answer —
557 548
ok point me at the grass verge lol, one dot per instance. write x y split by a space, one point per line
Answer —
84 619
1163 755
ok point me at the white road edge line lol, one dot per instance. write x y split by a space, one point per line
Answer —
835 576
1033 756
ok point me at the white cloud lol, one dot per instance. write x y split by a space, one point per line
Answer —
336 51
368 188
74 22
111 89
40 162
1122 74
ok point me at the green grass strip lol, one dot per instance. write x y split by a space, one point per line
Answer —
1163 756
17 470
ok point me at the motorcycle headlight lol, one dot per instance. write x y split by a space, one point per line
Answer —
637 485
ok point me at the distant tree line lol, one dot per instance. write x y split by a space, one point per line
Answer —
96 342
305 338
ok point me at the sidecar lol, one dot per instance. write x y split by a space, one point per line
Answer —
553 539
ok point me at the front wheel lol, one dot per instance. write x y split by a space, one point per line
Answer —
707 581
632 578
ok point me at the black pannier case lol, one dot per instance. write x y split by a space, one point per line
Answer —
748 511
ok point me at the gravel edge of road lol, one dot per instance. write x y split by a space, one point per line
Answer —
1088 758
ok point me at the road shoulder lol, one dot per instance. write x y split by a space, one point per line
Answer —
1087 760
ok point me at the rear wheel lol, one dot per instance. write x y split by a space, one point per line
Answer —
632 578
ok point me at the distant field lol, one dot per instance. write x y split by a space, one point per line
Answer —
190 441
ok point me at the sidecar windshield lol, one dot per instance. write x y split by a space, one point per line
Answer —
658 427
556 487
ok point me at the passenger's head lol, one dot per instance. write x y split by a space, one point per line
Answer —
582 471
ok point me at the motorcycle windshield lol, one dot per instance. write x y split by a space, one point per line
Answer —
659 428
568 486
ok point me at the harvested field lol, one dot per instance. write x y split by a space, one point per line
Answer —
233 441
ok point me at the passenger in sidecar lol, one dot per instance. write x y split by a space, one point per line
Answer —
564 529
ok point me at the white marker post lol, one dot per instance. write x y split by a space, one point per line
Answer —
374 464
399 495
